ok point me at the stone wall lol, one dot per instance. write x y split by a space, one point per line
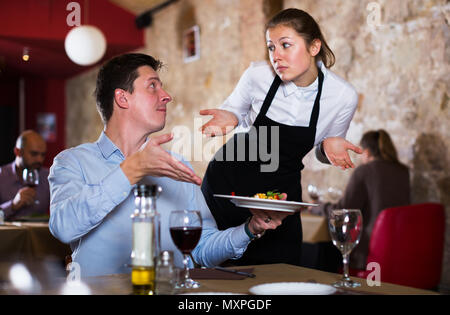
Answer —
232 35
83 123
395 53
400 68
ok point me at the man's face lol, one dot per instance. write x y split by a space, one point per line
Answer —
148 100
33 154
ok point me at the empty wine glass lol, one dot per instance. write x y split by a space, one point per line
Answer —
186 229
345 227
313 193
334 194
30 178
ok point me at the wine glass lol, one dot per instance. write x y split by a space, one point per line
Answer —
186 229
345 227
30 178
313 193
334 194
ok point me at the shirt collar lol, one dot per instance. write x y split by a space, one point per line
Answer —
290 87
106 146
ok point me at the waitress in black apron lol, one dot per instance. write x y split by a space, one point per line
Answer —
295 42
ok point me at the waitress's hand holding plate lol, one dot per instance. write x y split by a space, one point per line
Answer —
266 220
222 122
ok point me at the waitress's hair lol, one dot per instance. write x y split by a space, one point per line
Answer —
305 25
380 145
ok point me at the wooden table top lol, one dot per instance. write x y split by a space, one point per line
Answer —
120 284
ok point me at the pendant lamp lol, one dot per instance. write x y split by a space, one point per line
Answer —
85 44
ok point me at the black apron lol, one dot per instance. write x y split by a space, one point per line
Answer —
242 175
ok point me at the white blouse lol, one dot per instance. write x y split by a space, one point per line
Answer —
293 105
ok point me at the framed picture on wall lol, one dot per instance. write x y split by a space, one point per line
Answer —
46 126
191 44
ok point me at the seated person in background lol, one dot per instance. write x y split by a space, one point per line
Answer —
379 183
17 200
92 185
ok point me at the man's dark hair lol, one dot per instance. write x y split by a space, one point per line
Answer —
119 73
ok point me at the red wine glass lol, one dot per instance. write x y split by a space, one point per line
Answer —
30 178
185 230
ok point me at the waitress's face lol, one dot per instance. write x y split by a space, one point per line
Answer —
291 59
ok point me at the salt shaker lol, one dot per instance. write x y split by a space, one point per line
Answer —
166 274
2 217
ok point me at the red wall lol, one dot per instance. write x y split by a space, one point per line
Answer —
47 96
45 21
9 123
41 26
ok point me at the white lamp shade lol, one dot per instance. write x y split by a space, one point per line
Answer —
85 45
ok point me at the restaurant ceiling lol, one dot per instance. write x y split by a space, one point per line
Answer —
41 26
138 6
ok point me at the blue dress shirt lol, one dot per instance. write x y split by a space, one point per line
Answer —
92 202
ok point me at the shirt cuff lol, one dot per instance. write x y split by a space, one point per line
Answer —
117 186
320 153
240 241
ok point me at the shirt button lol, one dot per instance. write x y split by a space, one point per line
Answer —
125 194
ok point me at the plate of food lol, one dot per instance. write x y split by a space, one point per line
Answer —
267 201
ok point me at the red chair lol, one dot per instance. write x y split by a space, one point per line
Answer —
408 242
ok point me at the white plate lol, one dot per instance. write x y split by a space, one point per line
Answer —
266 204
292 288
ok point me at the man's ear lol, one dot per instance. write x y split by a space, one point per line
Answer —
17 152
120 97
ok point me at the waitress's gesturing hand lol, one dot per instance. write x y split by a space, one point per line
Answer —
336 150
222 122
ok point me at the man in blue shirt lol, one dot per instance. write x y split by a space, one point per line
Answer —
92 185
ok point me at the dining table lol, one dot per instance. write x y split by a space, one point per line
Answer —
120 284
28 241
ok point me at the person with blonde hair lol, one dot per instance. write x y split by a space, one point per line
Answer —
381 182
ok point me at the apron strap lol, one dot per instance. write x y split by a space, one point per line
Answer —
273 90
269 98
316 108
